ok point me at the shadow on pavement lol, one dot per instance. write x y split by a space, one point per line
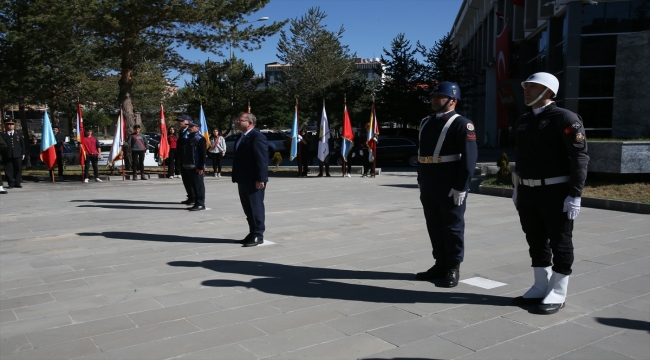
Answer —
119 201
159 237
303 281
625 323
123 207
407 186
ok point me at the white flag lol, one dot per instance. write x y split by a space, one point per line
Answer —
323 136
118 139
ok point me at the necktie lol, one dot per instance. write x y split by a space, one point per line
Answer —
241 138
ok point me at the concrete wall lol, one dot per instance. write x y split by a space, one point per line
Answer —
631 157
631 118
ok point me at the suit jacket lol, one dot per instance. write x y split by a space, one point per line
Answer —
251 158
15 145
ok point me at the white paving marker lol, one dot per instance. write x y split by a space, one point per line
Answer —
483 282
266 242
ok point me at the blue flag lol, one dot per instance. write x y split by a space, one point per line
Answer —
294 136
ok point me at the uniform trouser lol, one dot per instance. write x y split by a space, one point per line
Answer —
216 162
171 162
252 201
548 230
198 187
59 162
186 176
304 164
91 159
445 224
138 158
178 159
13 170
325 164
367 165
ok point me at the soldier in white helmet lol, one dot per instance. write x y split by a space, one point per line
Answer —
549 178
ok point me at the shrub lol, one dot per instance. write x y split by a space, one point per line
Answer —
504 175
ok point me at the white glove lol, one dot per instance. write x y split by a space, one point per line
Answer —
360 152
146 152
572 207
459 196
514 197
353 154
122 143
515 184
23 157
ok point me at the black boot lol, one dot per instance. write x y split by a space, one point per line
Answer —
437 271
451 277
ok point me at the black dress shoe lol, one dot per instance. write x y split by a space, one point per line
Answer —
254 241
10 186
451 278
197 208
548 309
18 186
3 191
188 202
435 272
246 239
522 301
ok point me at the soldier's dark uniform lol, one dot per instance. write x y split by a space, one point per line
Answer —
437 176
183 136
551 145
12 157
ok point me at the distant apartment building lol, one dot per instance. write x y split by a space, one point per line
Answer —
598 50
370 68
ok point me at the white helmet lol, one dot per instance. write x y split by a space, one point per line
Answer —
544 79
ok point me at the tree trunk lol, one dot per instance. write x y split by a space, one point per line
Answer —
126 85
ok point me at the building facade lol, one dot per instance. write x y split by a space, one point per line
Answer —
586 45
371 69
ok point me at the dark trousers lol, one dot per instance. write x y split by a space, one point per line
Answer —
367 165
347 167
91 159
252 201
548 230
178 161
326 165
198 187
186 175
13 170
445 224
59 162
303 163
216 162
171 162
138 159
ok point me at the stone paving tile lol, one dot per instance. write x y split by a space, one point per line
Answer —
226 352
590 352
295 339
28 300
295 319
297 303
185 296
70 350
175 312
81 274
79 331
101 289
7 315
639 285
482 335
46 288
111 310
616 258
529 317
60 261
586 266
59 307
352 307
627 343
560 339
246 298
233 316
350 347
12 344
417 329
641 303
429 348
18 327
166 278
597 298
626 271
144 334
370 320
18 283
505 351
615 318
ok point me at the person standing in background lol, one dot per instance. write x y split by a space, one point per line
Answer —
172 139
93 154
13 155
194 164
139 148
217 151
58 148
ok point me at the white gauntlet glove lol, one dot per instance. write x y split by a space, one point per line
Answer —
515 184
459 196
572 207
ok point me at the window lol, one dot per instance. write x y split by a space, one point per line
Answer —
596 114
616 17
598 50
597 82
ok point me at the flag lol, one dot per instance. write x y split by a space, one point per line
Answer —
204 128
347 135
118 139
294 136
163 148
48 154
249 107
323 136
80 136
373 132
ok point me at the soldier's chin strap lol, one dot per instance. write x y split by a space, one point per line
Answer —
539 97
447 103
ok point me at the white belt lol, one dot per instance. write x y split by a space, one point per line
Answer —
549 181
439 159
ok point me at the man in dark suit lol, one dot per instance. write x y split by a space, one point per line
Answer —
58 147
250 172
13 155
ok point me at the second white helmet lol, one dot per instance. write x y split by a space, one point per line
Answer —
546 79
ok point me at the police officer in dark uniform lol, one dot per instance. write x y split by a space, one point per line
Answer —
13 155
550 175
194 163
183 135
447 158
58 148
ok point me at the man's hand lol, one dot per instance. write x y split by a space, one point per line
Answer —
572 207
459 196
23 157
200 172
259 185
99 155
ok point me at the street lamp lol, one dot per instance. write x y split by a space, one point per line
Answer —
232 85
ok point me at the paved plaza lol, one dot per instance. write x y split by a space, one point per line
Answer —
119 270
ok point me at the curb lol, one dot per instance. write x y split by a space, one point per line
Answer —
596 203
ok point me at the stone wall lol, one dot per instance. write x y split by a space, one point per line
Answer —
631 117
624 157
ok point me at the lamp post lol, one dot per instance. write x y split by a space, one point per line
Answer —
232 85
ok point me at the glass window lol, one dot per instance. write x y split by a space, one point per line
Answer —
597 82
616 17
598 50
596 113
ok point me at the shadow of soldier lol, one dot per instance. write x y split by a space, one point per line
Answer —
309 282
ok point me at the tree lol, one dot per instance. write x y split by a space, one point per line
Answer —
442 61
319 63
404 94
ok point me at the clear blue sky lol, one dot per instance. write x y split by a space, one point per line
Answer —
370 25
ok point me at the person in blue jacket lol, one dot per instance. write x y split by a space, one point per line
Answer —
447 157
194 164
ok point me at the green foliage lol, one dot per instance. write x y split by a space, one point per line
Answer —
96 119
441 61
504 175
277 159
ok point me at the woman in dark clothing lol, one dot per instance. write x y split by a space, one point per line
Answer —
217 151
173 163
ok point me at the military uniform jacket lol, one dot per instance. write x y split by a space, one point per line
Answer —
15 145
552 144
460 139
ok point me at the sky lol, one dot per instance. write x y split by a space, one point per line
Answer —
370 26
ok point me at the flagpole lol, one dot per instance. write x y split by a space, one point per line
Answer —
163 160
123 138
345 100
374 125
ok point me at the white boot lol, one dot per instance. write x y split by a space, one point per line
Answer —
542 276
556 294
